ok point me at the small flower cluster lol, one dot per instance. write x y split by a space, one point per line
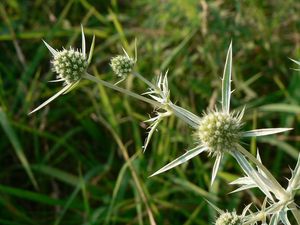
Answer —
219 131
229 218
122 65
69 65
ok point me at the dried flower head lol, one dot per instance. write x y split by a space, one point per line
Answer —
229 218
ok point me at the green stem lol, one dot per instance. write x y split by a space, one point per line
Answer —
122 90
145 81
183 114
262 167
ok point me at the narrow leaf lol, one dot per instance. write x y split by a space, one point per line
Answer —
264 132
246 209
54 81
72 86
83 42
135 50
52 50
220 211
226 81
253 174
182 159
274 219
91 50
294 182
242 181
295 61
244 187
283 217
216 168
125 53
152 129
51 99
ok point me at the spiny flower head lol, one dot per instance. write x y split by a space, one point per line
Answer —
122 65
70 65
219 131
229 218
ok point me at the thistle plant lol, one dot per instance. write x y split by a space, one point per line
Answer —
217 132
280 200
70 65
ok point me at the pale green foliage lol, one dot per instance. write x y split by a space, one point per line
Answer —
226 81
217 132
70 65
159 92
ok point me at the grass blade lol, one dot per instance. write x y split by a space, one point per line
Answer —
17 146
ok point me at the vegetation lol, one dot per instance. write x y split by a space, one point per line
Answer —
80 159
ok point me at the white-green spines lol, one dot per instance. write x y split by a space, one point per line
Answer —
219 131
122 65
229 218
69 65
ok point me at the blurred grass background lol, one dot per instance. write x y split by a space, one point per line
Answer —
80 161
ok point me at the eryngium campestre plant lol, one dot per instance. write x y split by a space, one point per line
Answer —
219 131
70 66
280 200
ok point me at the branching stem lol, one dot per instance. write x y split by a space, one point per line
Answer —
122 90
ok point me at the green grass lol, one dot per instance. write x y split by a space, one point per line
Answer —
80 161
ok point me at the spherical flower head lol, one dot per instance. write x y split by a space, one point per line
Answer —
229 218
122 65
219 132
70 65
